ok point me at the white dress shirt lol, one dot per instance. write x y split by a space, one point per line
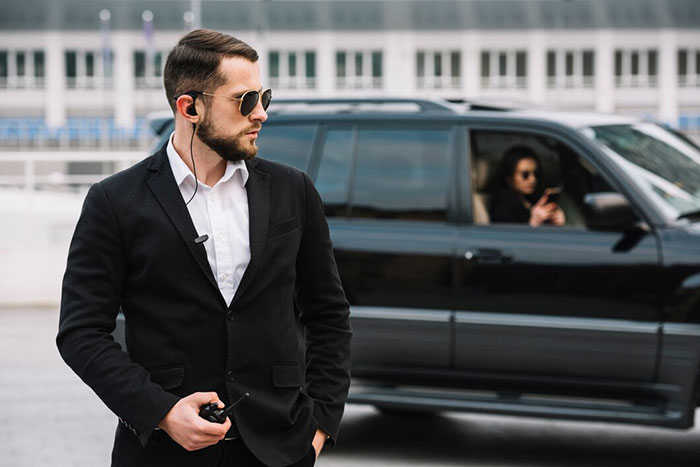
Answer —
221 213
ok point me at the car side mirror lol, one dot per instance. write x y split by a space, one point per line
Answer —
608 211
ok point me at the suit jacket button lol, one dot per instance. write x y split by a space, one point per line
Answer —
231 315
230 377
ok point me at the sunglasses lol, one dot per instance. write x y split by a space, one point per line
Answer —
247 101
525 174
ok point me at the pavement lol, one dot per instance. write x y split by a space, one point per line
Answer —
48 417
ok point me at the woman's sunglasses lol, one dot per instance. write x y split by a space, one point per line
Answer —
247 102
525 174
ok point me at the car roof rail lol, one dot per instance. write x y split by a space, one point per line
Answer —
361 105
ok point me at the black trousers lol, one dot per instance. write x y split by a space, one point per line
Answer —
236 454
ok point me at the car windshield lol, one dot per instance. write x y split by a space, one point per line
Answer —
666 166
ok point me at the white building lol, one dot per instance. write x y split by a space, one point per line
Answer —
86 67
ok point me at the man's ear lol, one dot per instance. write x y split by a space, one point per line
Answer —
186 106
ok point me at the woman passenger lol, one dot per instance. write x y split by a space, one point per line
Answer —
515 200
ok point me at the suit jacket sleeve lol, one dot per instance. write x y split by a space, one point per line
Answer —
91 297
324 312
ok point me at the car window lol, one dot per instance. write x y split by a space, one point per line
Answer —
401 174
558 167
334 171
289 144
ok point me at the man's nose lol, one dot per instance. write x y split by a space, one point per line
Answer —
258 114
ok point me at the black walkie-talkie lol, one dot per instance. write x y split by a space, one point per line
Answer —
212 413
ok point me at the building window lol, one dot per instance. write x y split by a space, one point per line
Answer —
636 68
21 69
688 67
86 69
39 68
359 69
570 69
438 69
4 71
291 69
148 69
504 69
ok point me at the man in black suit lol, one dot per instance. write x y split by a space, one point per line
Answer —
211 275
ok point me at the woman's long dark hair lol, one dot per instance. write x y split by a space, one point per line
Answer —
509 162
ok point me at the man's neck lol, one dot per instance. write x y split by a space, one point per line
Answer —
210 166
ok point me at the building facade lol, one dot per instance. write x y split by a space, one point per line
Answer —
67 61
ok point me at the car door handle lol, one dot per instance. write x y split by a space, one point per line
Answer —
488 256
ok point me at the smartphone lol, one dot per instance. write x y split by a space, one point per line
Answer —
553 194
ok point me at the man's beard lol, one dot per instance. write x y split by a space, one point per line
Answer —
228 148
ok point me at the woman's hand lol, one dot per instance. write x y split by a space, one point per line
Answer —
541 211
557 217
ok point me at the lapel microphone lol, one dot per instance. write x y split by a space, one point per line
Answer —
201 239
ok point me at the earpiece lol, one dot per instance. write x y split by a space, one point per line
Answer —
192 110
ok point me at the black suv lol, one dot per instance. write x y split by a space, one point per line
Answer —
598 319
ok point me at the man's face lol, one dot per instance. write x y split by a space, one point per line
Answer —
231 135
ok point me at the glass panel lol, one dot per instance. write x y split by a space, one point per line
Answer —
376 64
420 64
39 69
358 64
588 66
634 65
158 63
551 63
502 64
3 63
274 64
485 62
682 62
618 63
456 64
310 63
652 59
139 64
340 64
401 174
437 60
70 57
521 64
569 64
334 171
292 64
20 61
290 144
89 64
665 166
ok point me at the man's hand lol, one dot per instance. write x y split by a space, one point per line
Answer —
187 428
319 440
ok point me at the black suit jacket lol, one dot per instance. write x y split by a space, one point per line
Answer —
133 248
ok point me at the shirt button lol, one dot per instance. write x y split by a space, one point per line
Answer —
223 277
231 315
230 377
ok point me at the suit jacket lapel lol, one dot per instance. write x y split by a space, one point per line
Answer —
163 186
258 189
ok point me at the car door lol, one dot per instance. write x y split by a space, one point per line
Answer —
388 195
554 301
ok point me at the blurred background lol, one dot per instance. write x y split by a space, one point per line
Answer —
79 80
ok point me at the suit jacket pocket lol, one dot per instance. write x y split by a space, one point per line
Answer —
283 227
168 378
286 375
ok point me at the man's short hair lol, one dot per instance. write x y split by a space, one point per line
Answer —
193 64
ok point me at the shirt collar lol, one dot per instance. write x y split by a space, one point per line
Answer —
181 172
